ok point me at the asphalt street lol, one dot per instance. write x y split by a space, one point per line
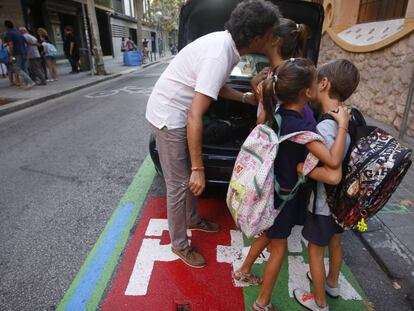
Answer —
65 164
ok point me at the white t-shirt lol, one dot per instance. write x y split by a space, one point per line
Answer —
203 66
32 50
328 129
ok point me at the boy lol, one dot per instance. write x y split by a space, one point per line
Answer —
337 81
176 106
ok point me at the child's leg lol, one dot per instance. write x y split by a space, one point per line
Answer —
317 269
272 269
255 250
54 69
335 260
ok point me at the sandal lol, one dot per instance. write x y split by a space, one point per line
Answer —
257 307
248 278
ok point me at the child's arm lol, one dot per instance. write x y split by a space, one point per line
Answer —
324 174
333 157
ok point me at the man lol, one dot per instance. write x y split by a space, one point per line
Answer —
179 99
17 55
71 49
33 56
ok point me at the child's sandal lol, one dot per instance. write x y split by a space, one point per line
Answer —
257 307
248 278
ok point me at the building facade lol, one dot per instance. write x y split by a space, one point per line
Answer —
378 36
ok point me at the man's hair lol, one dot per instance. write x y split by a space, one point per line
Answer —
343 76
8 25
251 18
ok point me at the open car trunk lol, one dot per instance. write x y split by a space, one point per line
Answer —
228 123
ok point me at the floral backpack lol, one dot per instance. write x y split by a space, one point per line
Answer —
250 197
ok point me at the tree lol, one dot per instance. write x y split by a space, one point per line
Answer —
171 13
96 42
139 9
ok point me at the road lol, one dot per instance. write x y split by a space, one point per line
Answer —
64 165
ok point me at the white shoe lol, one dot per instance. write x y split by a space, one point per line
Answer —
307 300
333 292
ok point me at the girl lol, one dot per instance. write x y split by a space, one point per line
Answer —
49 57
293 85
289 40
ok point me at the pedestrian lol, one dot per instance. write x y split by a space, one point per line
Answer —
128 45
71 49
293 85
49 53
4 58
33 57
42 31
176 106
337 81
17 55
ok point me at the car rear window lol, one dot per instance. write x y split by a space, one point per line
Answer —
249 66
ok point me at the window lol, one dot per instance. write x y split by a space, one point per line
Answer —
118 7
379 10
249 66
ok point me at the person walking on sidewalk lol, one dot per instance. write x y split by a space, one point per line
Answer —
176 106
71 49
49 51
33 57
17 55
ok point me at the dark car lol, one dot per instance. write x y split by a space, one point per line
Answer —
200 17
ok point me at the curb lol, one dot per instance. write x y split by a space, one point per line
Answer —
394 258
23 104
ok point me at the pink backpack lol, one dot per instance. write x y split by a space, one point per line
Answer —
250 197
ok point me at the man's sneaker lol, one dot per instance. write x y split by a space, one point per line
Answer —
332 292
190 257
307 300
205 226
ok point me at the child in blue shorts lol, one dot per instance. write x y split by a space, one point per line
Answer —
337 81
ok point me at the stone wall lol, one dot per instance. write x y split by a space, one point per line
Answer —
11 10
385 79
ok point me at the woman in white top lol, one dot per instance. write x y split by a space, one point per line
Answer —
289 40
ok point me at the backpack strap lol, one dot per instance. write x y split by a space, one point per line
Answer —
310 163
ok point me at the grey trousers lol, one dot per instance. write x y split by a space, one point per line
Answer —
36 70
182 205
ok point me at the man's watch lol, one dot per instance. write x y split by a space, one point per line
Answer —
244 97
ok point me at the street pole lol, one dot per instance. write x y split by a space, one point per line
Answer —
88 43
404 122
140 13
96 42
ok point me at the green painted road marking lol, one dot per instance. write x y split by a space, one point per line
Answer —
393 208
280 296
135 195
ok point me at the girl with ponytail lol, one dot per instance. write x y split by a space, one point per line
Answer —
288 40
292 86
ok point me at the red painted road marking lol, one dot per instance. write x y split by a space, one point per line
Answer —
171 282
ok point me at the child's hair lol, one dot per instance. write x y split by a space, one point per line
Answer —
343 76
287 84
293 38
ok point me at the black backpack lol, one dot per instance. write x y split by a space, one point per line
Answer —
374 166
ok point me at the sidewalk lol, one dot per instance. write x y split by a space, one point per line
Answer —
390 235
19 98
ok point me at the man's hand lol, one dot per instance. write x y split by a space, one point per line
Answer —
197 182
